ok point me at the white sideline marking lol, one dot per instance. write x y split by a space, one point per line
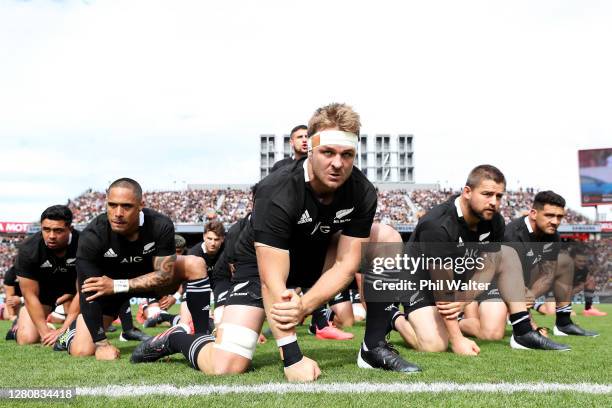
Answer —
334 388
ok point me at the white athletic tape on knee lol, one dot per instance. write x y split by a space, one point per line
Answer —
218 314
238 340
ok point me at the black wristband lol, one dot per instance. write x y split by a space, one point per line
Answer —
291 354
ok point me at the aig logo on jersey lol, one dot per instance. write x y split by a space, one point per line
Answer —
131 259
150 247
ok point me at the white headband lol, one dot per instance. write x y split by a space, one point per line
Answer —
333 137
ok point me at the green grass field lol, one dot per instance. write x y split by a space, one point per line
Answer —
588 362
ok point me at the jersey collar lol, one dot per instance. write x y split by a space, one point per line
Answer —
305 166
526 218
458 207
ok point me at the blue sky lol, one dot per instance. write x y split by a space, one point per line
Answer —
170 92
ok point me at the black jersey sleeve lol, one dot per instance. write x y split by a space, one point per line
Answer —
26 264
89 264
271 222
10 277
361 223
90 255
166 245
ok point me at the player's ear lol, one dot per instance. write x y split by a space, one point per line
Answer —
532 213
467 192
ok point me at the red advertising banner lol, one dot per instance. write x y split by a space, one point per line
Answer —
606 226
14 227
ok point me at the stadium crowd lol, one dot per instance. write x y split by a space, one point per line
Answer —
191 206
229 205
8 252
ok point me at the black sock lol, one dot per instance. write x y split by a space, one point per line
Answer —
521 324
198 303
125 315
71 332
320 317
378 323
331 316
588 299
166 317
564 315
395 314
189 344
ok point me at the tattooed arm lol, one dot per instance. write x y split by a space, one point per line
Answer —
103 285
162 276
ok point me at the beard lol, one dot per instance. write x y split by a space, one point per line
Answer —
479 214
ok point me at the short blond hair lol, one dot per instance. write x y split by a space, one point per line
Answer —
335 115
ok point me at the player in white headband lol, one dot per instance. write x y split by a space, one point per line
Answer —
307 228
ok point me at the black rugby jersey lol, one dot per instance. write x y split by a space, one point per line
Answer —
211 260
11 279
445 224
281 163
104 252
531 250
232 235
288 215
55 276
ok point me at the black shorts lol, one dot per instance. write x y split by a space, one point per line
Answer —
246 293
355 296
491 295
221 291
344 296
48 296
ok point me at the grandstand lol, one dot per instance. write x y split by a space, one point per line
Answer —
400 207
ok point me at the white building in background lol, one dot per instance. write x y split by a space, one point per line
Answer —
383 158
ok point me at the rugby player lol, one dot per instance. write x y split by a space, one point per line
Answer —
323 319
303 216
467 226
46 267
537 242
12 302
299 143
130 249
585 281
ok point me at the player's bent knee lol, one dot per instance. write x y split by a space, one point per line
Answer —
491 333
82 350
240 343
436 346
384 233
27 338
431 343
195 267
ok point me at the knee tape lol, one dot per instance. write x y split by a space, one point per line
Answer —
238 340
